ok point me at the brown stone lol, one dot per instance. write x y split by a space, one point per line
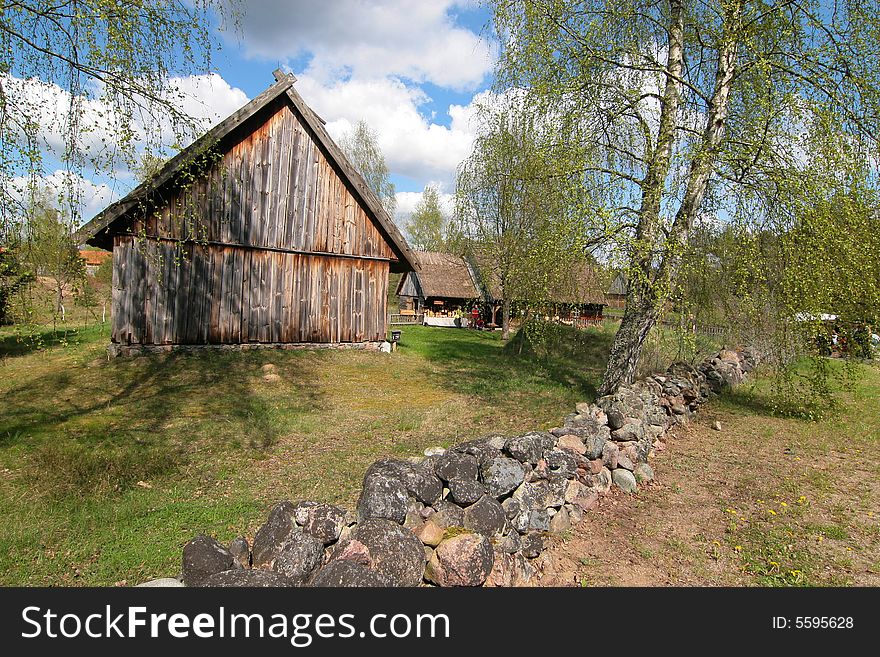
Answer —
429 533
463 560
572 443
610 454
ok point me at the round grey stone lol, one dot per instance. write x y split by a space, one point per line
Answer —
395 552
204 556
624 480
502 475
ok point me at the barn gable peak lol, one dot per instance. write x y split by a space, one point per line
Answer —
115 219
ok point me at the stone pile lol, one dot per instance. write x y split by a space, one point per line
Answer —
477 513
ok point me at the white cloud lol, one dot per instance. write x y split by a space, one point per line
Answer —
205 98
414 40
413 146
407 202
70 189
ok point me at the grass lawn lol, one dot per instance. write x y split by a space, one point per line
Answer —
108 467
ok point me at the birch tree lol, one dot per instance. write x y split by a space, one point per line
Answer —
361 146
517 209
694 106
426 225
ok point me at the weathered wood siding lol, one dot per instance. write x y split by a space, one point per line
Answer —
409 287
276 189
173 293
268 246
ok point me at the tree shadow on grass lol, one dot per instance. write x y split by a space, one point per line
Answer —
96 428
478 363
17 344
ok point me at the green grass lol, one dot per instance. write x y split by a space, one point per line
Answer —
807 521
107 467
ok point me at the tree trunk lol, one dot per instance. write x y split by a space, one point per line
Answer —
642 302
505 320
59 299
638 320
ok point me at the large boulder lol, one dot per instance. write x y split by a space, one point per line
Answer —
482 449
419 480
270 538
383 497
466 491
455 465
486 516
624 480
530 447
323 521
204 556
502 475
300 557
448 514
550 492
255 578
595 443
395 552
348 574
600 482
463 560
573 443
629 431
561 462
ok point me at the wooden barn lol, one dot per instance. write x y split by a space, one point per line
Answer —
443 284
261 232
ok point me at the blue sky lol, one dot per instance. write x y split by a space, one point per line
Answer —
412 69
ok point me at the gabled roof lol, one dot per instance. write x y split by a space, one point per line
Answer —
577 285
100 229
619 285
443 275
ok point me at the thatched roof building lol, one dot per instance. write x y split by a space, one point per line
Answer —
444 281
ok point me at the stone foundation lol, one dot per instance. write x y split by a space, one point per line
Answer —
125 350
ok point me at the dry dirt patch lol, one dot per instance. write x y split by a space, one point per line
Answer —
765 501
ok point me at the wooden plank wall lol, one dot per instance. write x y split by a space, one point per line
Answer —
274 189
167 292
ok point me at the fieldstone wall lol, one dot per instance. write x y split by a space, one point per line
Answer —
478 513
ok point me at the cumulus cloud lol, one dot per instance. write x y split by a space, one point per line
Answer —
413 146
69 190
407 202
207 99
415 40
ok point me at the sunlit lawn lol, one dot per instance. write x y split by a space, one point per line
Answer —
108 467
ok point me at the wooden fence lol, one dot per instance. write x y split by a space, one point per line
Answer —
395 319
